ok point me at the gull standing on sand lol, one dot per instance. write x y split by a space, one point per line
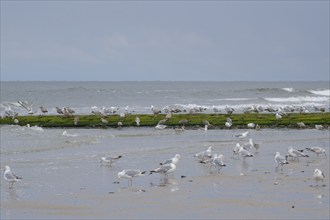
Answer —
241 136
130 174
318 176
244 153
295 154
110 159
316 150
174 160
280 160
10 177
216 161
236 149
204 155
164 169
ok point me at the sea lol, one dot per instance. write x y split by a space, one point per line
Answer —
63 176
139 96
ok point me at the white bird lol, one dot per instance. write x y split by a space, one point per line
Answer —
110 159
241 136
130 174
278 116
59 111
248 145
104 121
228 124
160 127
295 154
280 160
236 149
137 121
204 155
174 160
319 127
43 109
251 125
10 177
155 111
164 169
301 125
244 153
318 176
205 128
76 120
217 162
229 109
316 150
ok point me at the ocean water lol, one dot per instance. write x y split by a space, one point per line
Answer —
63 177
138 97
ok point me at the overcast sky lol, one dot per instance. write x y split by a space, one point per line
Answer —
165 40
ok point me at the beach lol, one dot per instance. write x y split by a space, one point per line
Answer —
64 179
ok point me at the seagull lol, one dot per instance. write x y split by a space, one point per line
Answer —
318 176
319 127
204 155
241 136
251 125
76 120
244 153
137 121
280 160
130 174
316 150
236 149
110 159
174 160
155 111
160 126
228 123
10 177
278 116
43 109
295 154
104 121
229 109
164 169
59 111
216 161
248 145
301 125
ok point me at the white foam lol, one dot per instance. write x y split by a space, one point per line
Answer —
288 89
299 99
325 92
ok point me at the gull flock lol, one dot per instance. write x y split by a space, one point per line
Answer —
242 150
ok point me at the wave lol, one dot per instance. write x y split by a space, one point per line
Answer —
299 99
325 92
288 89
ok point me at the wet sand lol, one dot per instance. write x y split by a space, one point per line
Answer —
63 179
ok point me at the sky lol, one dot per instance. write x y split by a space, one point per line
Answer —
164 40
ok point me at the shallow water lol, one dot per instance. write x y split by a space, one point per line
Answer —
63 178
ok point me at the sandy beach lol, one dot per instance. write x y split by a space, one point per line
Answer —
63 178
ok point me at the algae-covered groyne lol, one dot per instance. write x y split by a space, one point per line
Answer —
213 121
